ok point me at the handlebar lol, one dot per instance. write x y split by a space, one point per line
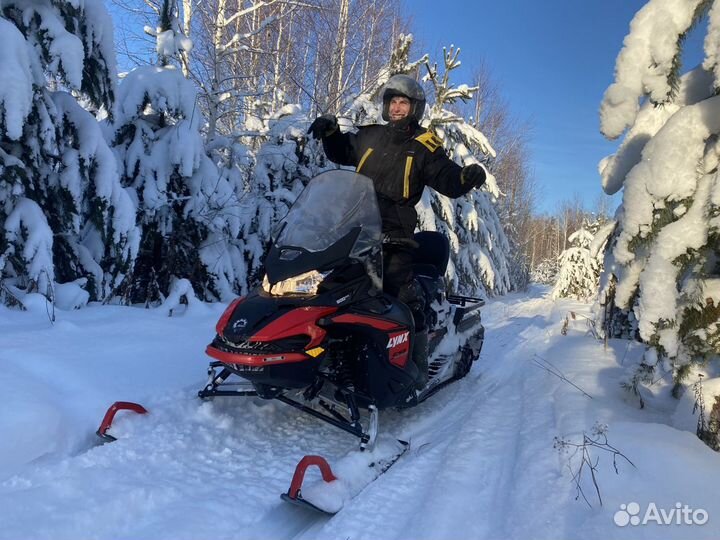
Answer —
404 242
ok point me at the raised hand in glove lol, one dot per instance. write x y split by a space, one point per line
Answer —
474 174
323 126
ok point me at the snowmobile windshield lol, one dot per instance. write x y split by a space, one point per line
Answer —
332 206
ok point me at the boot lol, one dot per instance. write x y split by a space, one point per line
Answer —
420 358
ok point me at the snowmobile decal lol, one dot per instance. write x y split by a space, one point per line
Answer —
399 348
317 351
397 339
227 314
351 318
298 321
239 324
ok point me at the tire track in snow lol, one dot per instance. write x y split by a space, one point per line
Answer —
481 461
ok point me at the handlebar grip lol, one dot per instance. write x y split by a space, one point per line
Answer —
406 242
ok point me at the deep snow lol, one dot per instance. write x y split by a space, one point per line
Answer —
482 462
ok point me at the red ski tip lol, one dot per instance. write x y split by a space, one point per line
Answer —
110 415
299 476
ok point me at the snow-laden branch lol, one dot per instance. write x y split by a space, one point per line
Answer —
648 62
232 45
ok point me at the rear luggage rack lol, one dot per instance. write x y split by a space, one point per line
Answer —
468 309
460 300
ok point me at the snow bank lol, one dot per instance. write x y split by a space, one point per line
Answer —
58 379
687 413
34 422
673 468
71 295
182 288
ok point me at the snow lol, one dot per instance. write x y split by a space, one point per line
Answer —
657 303
645 62
94 150
481 462
353 472
686 415
27 226
479 246
712 42
66 50
170 43
667 174
71 295
182 288
161 87
16 92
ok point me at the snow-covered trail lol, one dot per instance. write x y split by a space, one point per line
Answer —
476 441
481 464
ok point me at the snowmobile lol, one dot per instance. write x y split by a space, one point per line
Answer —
321 336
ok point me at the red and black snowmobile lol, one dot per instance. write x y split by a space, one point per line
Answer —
321 336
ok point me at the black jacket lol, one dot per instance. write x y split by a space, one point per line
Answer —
400 163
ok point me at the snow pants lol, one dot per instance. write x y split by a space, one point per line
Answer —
398 281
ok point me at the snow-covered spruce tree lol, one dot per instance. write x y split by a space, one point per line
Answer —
479 247
579 269
545 272
284 164
187 211
662 266
64 214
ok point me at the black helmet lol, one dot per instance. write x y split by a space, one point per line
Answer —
402 85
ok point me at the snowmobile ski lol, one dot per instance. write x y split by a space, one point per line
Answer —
106 423
294 495
355 472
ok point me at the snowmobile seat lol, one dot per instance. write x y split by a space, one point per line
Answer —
432 255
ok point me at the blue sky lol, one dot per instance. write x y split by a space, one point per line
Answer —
552 60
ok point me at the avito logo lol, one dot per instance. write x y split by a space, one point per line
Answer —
680 514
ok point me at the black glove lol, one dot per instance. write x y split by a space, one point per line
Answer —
323 126
474 174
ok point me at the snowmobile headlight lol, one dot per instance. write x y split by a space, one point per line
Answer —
306 283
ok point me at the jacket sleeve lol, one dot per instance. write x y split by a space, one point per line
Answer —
443 175
341 148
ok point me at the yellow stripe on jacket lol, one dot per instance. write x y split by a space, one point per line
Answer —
363 159
406 184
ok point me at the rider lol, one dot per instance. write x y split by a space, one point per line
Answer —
401 158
